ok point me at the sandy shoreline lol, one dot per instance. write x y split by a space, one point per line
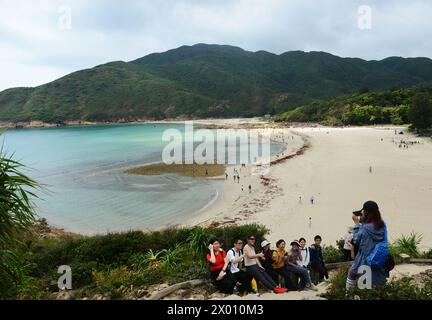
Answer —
211 123
335 171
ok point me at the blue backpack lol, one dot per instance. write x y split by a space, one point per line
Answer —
379 255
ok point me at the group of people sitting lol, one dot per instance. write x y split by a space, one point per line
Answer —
279 270
301 267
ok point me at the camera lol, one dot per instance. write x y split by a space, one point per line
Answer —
357 213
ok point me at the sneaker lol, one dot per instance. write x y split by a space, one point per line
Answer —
279 290
256 294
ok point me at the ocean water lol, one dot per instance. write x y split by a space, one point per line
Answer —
86 187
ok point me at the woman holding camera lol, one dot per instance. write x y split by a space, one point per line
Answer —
369 230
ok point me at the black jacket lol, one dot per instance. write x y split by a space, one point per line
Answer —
317 259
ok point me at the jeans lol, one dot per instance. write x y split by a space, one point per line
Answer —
273 274
260 275
302 273
285 273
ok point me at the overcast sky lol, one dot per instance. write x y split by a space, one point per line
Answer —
41 40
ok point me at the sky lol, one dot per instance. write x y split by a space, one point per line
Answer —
42 40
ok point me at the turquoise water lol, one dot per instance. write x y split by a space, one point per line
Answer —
83 168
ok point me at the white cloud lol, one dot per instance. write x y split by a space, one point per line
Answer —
34 50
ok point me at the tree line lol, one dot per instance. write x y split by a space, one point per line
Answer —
396 106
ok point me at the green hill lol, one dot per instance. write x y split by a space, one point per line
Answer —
206 81
366 108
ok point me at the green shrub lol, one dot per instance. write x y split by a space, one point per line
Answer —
168 255
340 244
14 269
143 260
227 234
111 280
197 240
336 289
404 288
409 244
173 256
332 254
395 253
427 254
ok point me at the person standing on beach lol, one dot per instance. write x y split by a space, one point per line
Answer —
250 189
310 222
300 199
235 178
226 176
370 169
312 199
238 178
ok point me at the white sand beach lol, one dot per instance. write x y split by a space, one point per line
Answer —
335 171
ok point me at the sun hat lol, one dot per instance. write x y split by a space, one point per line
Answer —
264 243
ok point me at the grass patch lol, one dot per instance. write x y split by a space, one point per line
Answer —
189 170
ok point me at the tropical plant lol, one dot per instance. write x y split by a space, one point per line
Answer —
409 244
151 258
172 256
16 216
16 193
197 240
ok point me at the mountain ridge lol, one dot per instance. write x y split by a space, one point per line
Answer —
206 81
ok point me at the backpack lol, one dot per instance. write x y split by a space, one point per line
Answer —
379 255
234 254
389 264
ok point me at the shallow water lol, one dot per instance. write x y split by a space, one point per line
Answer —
88 191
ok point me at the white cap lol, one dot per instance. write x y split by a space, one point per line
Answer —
264 243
